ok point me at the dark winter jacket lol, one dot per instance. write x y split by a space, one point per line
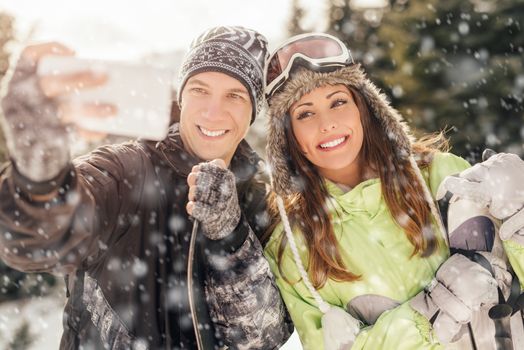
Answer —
115 223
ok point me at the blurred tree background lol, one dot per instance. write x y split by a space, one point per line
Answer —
455 65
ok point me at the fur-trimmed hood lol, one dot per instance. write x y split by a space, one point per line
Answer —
284 183
304 81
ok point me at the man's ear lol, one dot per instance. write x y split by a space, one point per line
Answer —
175 112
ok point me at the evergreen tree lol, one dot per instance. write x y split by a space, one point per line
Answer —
449 64
463 67
358 30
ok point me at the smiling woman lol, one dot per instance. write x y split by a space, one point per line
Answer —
358 246
328 128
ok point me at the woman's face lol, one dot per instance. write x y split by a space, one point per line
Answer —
326 123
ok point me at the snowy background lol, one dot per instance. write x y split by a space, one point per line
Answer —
455 64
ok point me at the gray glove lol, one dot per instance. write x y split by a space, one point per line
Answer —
500 273
497 183
216 201
36 139
459 287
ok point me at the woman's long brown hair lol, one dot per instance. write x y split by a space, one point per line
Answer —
400 186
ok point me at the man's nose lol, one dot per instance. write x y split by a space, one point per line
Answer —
214 108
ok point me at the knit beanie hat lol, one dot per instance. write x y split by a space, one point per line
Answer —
236 51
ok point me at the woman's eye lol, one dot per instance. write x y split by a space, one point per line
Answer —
338 102
303 115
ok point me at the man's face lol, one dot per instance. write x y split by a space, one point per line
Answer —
214 116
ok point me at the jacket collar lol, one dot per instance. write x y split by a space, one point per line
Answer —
365 198
244 164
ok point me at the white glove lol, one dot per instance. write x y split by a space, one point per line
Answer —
460 287
500 272
497 183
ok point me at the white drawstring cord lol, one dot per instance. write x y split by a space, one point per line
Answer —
322 305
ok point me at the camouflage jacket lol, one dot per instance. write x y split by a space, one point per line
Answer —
117 227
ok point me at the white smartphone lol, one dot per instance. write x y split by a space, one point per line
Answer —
142 94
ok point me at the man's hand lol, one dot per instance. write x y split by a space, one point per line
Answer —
213 198
56 88
497 183
38 110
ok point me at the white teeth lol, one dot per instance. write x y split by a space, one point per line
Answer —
333 143
212 133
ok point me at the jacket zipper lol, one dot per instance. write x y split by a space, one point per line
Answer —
190 256
190 284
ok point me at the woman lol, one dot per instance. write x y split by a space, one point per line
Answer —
358 191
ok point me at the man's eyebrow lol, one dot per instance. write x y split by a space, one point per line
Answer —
238 91
197 82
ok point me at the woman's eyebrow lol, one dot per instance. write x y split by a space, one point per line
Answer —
335 92
300 105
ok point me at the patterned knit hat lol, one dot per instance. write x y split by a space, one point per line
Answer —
236 51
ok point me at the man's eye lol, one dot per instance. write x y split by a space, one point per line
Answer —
198 90
236 96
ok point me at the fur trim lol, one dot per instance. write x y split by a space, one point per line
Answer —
304 81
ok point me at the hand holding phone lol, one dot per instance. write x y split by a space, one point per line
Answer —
141 94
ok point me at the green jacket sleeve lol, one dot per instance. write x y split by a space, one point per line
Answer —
398 328
443 165
306 316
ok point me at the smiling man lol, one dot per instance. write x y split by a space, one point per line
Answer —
215 106
119 222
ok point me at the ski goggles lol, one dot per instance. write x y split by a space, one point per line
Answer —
316 51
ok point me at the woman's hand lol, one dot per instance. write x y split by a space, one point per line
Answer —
497 183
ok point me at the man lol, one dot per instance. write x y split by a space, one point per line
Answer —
118 222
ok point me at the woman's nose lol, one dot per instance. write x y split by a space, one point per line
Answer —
328 126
